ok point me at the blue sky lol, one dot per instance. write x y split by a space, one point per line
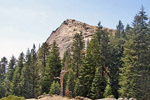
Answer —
24 22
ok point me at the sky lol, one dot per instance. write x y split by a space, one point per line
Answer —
27 22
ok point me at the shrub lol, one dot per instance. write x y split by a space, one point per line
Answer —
107 91
12 97
111 96
55 88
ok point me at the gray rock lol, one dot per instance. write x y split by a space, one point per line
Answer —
125 98
120 99
132 99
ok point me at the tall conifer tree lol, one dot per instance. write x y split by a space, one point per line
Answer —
134 76
77 48
16 86
52 69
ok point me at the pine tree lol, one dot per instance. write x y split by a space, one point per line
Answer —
96 91
9 75
16 86
77 91
102 38
116 53
42 57
42 60
77 49
120 30
127 28
103 55
134 76
70 81
35 81
3 65
55 88
129 72
11 68
26 82
140 21
88 68
96 57
108 90
142 40
52 69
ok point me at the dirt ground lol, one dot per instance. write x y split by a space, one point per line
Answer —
52 98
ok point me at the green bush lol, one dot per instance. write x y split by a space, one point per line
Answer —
55 88
12 97
107 91
111 96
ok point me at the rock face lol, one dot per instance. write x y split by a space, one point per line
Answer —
64 34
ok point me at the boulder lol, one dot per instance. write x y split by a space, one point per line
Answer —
132 99
120 99
126 99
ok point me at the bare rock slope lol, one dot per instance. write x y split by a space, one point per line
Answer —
64 34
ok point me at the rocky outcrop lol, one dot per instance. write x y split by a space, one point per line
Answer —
64 34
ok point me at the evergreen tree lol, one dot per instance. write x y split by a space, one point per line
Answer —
42 57
88 68
16 86
26 82
77 91
142 40
120 30
116 52
55 88
102 38
42 60
9 75
77 49
97 56
134 76
140 21
115 63
127 28
129 73
96 91
70 81
11 68
103 55
3 65
34 73
108 90
52 69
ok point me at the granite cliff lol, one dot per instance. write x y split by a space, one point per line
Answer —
64 34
